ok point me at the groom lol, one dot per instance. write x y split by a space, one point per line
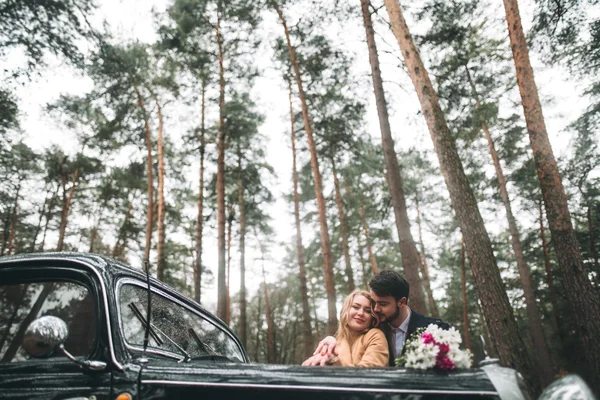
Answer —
390 291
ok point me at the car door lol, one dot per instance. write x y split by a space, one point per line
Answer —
27 293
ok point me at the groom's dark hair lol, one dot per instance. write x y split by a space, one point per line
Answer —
390 283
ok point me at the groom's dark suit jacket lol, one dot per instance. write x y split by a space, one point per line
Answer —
416 321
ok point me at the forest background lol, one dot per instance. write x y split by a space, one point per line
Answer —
122 122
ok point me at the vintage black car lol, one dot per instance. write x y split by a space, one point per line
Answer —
73 326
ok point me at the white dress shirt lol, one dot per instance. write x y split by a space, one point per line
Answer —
399 334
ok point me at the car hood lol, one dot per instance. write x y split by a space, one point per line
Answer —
341 379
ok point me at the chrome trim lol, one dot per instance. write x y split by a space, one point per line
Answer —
318 388
76 259
159 291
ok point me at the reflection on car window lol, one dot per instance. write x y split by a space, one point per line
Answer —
22 303
174 328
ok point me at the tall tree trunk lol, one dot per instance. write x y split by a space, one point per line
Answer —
499 314
160 245
306 329
66 207
343 233
93 235
51 206
582 299
548 268
150 172
122 231
221 284
463 270
542 354
228 279
363 263
591 230
410 255
38 228
374 266
257 345
13 221
270 331
200 218
325 248
426 280
243 323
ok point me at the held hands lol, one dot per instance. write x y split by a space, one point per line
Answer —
325 354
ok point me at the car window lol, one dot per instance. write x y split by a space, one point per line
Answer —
175 329
23 303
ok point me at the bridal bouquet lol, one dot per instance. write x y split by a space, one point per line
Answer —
435 348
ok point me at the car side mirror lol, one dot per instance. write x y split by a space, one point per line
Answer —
44 336
567 387
47 335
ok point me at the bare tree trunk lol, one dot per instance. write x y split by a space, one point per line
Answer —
13 221
270 332
426 281
243 322
49 216
306 329
410 255
38 228
548 268
591 228
499 314
363 263
227 298
374 266
325 248
343 233
221 284
542 354
66 207
463 270
122 231
200 218
582 299
149 168
160 245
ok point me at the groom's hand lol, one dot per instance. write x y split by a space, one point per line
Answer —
327 347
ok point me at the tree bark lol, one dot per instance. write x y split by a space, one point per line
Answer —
591 230
122 231
540 347
306 328
221 284
150 172
66 207
548 268
374 266
582 299
200 218
426 280
38 228
49 216
463 271
13 221
243 322
363 263
499 314
228 280
160 245
343 233
411 260
270 331
325 248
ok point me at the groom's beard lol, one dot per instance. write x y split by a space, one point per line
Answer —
391 317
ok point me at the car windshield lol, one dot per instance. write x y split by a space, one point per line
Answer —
175 331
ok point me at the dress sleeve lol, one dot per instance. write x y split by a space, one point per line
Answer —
376 350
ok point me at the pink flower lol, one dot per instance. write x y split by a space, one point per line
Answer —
444 363
427 338
444 348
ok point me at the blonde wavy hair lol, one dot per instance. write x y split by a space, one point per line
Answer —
343 331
